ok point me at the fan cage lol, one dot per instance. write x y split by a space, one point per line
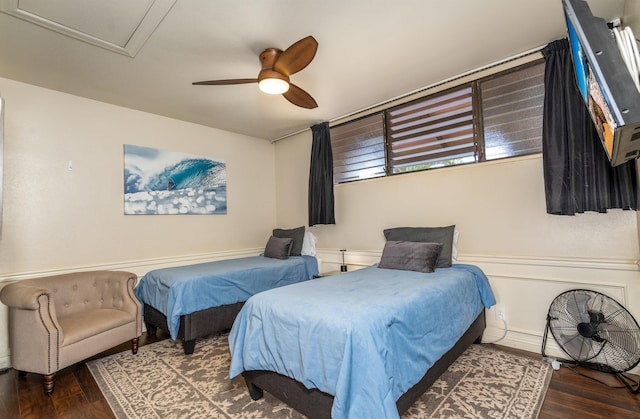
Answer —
595 330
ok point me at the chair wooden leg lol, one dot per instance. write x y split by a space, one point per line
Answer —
134 345
49 383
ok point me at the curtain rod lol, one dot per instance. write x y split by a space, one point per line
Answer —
422 89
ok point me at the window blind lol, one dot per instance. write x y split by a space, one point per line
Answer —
512 106
431 131
358 149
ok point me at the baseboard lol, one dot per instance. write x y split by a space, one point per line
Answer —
531 342
525 340
5 362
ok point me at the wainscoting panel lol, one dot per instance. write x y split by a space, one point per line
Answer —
524 289
139 267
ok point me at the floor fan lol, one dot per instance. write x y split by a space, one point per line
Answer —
596 332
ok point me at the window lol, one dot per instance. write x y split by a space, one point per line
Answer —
432 131
491 118
358 149
512 106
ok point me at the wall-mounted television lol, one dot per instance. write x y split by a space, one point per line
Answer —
605 82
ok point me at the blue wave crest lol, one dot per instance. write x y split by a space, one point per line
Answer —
202 174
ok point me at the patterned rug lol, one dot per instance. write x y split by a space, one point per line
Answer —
161 382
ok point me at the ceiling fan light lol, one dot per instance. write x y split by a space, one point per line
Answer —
273 86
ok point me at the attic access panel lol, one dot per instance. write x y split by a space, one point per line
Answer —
122 26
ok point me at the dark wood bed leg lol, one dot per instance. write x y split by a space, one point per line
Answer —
189 346
255 392
134 345
22 374
151 329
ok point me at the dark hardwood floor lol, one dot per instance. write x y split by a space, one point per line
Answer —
76 395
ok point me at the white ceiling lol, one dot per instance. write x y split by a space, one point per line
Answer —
369 51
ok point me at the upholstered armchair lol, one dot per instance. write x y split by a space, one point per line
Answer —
60 320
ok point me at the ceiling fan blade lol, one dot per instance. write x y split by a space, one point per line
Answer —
224 82
299 97
297 56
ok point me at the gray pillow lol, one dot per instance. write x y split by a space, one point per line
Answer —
297 234
278 248
442 235
410 256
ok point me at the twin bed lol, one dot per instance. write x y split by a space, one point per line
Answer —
361 340
198 300
362 344
366 343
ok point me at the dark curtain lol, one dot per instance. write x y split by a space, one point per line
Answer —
321 177
577 174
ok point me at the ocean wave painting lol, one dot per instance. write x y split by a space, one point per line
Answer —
168 182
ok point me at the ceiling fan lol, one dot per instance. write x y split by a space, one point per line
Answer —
277 66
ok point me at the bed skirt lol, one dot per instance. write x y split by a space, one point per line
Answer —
194 325
316 404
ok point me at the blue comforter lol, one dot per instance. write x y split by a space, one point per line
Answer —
186 289
364 337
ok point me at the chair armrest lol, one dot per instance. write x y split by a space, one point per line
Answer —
33 325
22 296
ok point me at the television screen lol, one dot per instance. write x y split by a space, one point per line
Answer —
579 63
605 83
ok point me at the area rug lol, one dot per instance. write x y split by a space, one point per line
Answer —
161 382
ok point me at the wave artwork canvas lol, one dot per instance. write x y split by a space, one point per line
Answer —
168 182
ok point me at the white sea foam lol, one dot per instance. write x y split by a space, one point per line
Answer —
182 201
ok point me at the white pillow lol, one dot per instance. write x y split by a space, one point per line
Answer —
454 249
308 244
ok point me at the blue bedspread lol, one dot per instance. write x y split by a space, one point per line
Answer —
186 289
364 337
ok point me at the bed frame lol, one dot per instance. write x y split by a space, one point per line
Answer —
316 404
194 325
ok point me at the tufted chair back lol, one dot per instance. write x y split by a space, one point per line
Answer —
78 292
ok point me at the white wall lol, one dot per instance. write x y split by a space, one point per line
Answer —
499 210
57 220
